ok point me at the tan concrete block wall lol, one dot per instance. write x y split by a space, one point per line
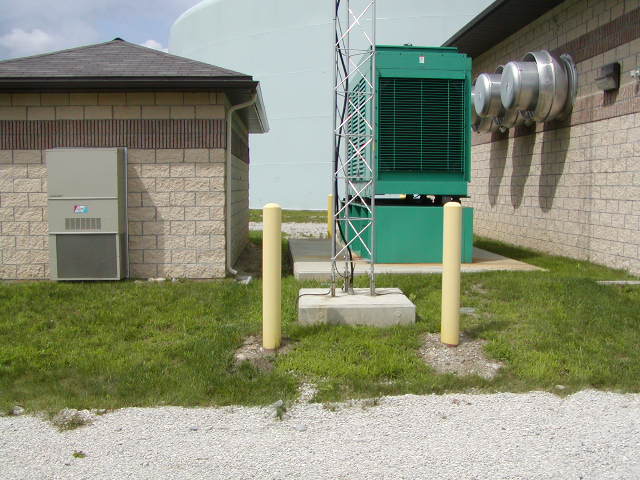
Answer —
127 105
24 243
239 191
176 213
572 190
176 196
239 207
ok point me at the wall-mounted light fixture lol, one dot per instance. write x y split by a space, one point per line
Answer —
609 78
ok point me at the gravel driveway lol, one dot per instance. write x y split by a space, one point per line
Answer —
590 435
298 230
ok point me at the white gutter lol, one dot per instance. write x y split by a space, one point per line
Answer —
229 119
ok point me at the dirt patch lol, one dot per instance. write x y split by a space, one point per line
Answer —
468 358
251 351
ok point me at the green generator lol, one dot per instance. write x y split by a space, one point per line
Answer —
423 156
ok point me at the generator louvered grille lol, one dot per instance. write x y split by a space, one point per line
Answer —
359 133
82 224
421 125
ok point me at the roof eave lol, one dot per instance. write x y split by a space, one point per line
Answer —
261 124
497 22
472 23
255 114
30 84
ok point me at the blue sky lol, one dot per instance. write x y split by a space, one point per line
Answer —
30 27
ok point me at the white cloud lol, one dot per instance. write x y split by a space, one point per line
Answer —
18 41
21 43
34 26
155 45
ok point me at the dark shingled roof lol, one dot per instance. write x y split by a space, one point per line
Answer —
122 66
496 22
116 64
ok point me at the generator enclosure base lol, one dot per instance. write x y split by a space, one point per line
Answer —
412 234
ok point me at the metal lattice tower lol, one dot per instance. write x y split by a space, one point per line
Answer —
354 135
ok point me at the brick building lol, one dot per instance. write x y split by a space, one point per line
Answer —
569 187
188 154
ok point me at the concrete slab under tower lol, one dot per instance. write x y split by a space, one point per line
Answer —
387 308
311 262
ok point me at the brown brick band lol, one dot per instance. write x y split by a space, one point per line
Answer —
143 134
619 31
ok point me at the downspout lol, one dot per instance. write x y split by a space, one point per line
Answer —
228 154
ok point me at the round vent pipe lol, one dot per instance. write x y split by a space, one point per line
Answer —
486 95
539 83
481 124
511 118
519 89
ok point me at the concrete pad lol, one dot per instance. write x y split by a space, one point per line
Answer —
311 262
389 307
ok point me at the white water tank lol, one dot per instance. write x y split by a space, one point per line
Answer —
288 46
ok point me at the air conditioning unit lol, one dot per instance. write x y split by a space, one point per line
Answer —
87 213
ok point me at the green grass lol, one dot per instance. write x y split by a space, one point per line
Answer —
107 345
111 345
297 216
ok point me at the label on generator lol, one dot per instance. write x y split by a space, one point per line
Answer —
421 59
80 209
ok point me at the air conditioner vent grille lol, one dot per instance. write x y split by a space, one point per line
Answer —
80 224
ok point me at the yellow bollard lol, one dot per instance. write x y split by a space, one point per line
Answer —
271 276
330 216
451 253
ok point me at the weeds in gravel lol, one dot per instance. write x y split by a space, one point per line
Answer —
369 402
70 419
331 406
112 345
78 454
70 424
280 409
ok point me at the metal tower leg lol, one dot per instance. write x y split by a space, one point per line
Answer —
354 135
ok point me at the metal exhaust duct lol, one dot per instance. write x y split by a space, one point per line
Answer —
481 124
540 83
511 118
486 95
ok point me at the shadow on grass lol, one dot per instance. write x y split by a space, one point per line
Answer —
510 251
555 264
255 238
479 330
